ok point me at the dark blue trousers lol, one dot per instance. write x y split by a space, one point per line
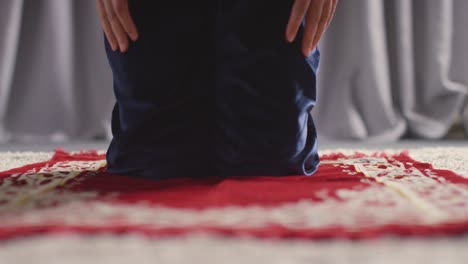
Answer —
213 89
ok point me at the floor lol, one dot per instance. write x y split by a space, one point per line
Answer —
326 145
447 154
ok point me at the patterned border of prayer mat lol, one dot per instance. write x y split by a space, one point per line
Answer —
351 196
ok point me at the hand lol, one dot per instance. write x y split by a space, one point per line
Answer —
117 23
317 14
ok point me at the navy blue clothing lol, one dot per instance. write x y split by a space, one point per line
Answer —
213 90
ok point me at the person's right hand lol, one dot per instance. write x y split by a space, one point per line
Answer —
117 23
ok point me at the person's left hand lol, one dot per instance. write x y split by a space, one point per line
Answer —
317 14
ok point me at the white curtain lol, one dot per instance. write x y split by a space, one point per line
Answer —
390 68
55 82
393 68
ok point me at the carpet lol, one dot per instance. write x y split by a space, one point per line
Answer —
351 196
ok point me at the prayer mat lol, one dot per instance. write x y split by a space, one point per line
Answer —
351 196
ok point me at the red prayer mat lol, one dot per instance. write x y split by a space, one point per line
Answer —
357 196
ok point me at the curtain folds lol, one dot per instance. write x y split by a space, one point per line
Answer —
55 81
394 68
390 68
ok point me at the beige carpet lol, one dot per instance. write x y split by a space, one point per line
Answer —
209 249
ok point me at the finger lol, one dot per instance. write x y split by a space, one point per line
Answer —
298 13
117 28
332 14
123 14
322 25
106 26
313 17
